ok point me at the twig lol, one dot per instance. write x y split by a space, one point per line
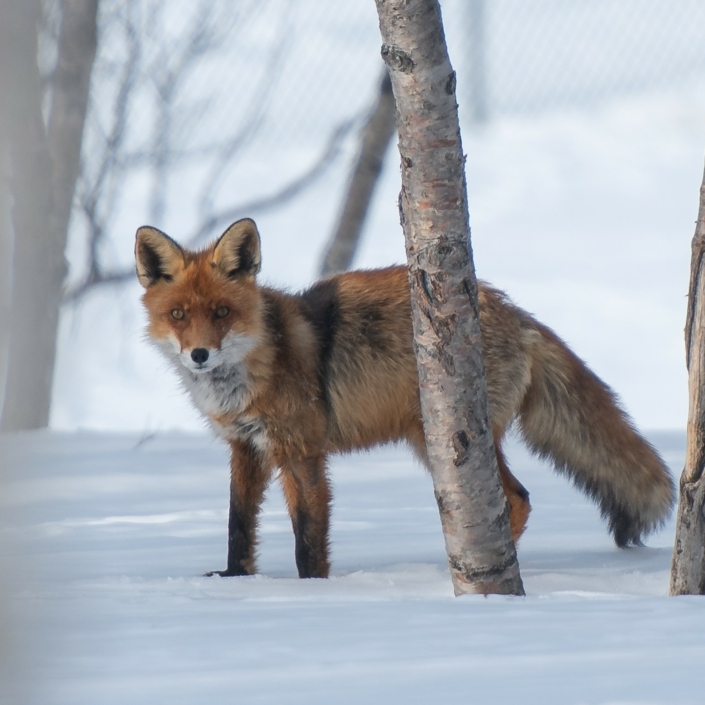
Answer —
256 206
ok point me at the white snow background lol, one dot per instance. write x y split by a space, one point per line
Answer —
585 219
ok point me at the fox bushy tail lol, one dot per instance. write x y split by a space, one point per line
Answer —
572 418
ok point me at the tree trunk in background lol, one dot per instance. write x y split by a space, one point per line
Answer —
376 136
15 663
5 228
688 564
433 202
45 166
5 248
69 105
31 325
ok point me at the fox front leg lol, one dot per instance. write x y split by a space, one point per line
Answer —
248 481
307 493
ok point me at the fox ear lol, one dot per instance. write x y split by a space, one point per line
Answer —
238 250
157 256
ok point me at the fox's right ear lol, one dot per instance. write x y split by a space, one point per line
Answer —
157 256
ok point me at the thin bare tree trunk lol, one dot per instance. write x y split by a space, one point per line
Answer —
376 136
5 229
70 89
688 564
5 241
433 203
44 172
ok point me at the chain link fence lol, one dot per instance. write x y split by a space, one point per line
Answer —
528 57
319 62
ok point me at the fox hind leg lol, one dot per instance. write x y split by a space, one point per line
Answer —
517 496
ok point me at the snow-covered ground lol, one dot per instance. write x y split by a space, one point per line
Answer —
116 531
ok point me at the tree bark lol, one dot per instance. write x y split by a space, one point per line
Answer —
688 563
434 212
376 136
5 236
45 166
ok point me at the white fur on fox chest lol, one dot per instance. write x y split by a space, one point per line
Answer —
221 392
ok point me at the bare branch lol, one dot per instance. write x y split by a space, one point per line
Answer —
100 193
168 72
374 142
279 198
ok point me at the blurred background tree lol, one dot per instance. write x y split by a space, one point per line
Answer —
44 166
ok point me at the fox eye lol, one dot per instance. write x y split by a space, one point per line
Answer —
222 312
177 313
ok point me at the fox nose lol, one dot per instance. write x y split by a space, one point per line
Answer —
199 355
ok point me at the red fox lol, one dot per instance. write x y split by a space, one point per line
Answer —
287 379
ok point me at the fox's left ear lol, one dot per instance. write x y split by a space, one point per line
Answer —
238 250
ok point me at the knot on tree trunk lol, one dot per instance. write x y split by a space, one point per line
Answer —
448 253
397 59
461 445
450 84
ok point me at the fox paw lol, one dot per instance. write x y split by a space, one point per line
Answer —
223 573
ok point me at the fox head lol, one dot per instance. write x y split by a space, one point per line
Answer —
204 307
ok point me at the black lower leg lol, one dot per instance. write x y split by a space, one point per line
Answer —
311 546
241 545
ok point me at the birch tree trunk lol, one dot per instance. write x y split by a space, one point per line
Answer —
45 166
434 212
376 136
688 563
